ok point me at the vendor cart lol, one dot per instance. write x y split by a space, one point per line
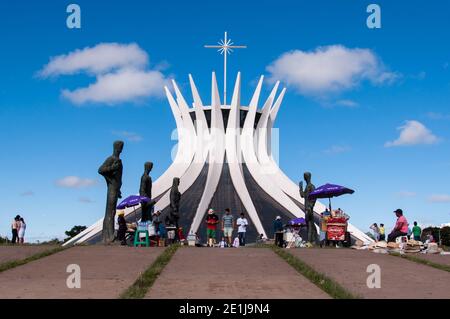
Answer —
337 230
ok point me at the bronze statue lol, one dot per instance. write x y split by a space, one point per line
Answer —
175 197
112 170
309 207
146 190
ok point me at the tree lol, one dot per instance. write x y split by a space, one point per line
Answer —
370 235
434 231
445 235
74 231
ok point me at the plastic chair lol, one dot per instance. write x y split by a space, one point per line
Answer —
142 229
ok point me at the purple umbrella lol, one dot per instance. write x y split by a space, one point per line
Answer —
328 191
298 221
132 201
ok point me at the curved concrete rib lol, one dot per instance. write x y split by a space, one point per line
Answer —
259 172
215 158
231 139
190 134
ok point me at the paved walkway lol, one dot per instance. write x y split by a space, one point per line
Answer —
400 278
207 273
105 273
9 253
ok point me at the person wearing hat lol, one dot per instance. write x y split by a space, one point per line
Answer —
401 226
278 231
121 232
211 225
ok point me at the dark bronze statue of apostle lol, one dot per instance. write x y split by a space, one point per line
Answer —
146 190
112 170
309 207
175 197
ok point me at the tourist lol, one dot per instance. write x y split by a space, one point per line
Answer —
409 233
21 230
242 223
376 231
156 220
211 225
382 232
417 232
323 227
15 229
228 226
278 230
122 231
401 226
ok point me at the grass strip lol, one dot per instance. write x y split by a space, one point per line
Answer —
19 262
325 283
140 287
422 261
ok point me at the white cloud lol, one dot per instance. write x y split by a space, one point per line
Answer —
337 149
438 116
439 198
329 69
121 71
413 133
406 194
85 200
75 182
347 103
27 193
102 58
129 136
122 86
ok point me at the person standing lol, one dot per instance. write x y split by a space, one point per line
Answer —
21 230
15 229
382 232
211 225
417 231
376 231
122 230
157 221
228 225
401 226
323 227
278 230
242 224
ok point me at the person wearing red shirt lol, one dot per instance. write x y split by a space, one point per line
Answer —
401 226
211 225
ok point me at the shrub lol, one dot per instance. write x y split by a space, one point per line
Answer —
430 230
445 235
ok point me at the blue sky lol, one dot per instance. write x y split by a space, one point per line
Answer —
336 128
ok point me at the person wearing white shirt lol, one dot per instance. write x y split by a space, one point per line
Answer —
242 224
